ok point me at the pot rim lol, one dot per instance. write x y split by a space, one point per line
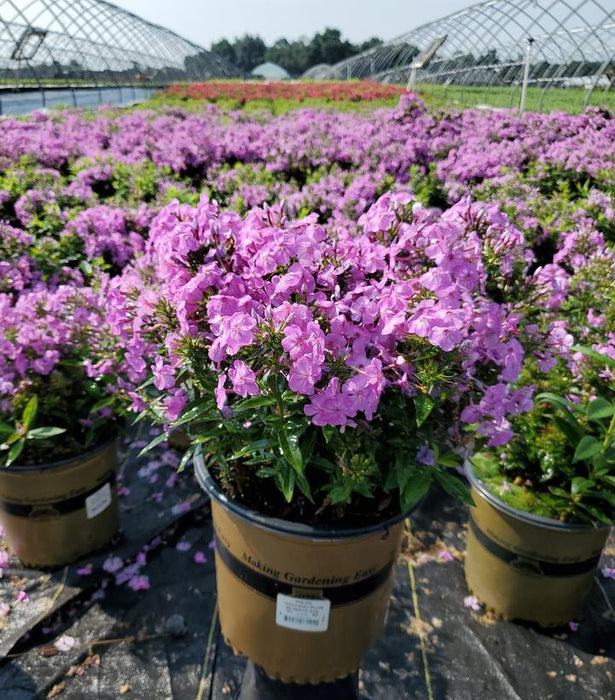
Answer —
538 520
279 525
50 466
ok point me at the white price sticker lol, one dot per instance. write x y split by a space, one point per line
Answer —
302 614
98 501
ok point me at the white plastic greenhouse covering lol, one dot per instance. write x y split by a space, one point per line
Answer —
95 43
561 43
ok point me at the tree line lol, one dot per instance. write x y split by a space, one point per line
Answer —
296 57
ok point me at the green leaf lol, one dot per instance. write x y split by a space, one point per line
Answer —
29 413
304 486
455 486
154 443
448 459
290 450
103 403
587 448
42 433
252 447
285 481
570 430
15 451
580 484
186 457
600 408
192 413
423 406
253 402
416 486
6 429
595 355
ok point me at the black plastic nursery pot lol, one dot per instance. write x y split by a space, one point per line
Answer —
303 603
527 567
55 513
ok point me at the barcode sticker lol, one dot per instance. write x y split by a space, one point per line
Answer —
302 614
98 501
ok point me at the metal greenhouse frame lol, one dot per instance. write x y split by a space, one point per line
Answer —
52 44
489 48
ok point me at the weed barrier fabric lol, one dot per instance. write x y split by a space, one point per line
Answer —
143 516
164 642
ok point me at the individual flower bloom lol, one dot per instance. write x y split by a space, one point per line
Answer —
123 491
171 480
183 546
179 508
472 602
330 406
164 376
574 626
505 488
174 404
212 544
445 555
426 456
200 558
85 570
243 379
65 643
112 564
139 583
365 388
303 374
608 572
236 331
4 560
220 392
141 559
22 597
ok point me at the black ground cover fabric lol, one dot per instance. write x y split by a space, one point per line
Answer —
164 641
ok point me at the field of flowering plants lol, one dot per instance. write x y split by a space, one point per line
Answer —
489 235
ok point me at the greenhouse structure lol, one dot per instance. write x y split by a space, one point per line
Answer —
502 53
53 45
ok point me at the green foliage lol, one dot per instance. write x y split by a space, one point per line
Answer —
561 462
15 437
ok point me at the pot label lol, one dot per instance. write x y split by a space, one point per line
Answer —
98 501
302 614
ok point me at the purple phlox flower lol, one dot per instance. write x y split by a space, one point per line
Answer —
330 406
112 564
180 508
472 602
174 404
139 583
4 560
608 572
304 373
236 331
425 455
200 558
85 570
65 643
183 546
220 392
445 555
574 626
212 544
22 597
505 488
164 375
243 379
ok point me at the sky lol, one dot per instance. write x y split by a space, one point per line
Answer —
204 21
